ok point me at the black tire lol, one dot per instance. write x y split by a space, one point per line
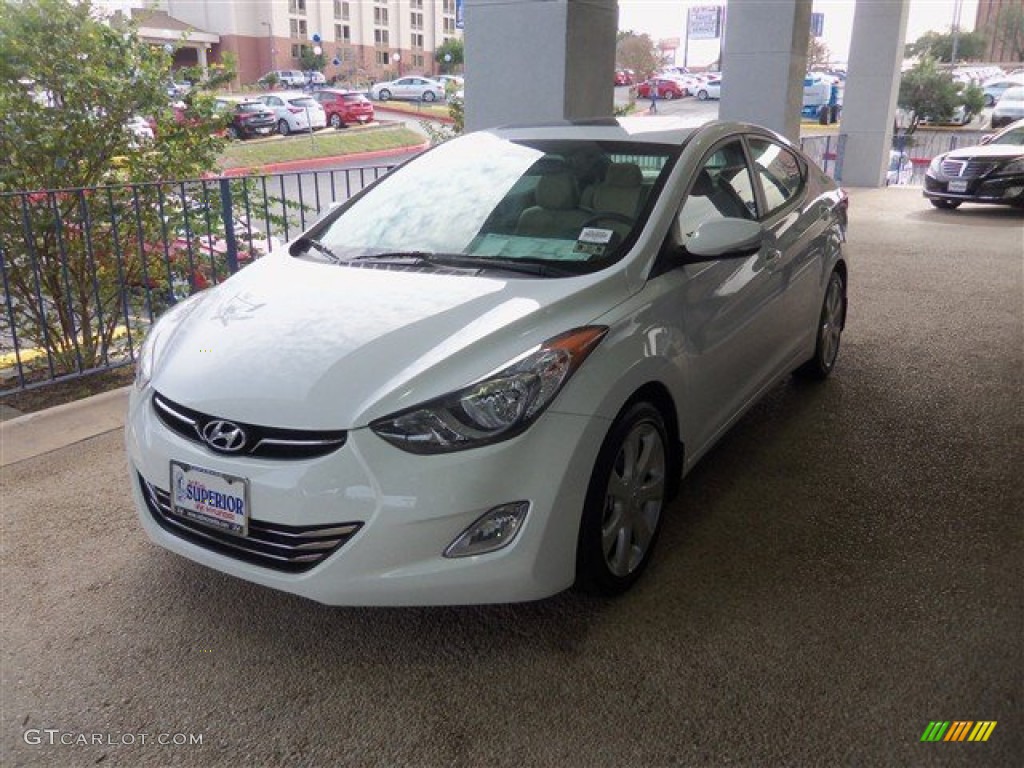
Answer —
336 122
429 96
702 95
282 127
234 133
669 95
831 321
384 94
990 100
623 508
945 205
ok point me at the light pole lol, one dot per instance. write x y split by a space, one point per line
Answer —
447 63
958 8
273 50
397 58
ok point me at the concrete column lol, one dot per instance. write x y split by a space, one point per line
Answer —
764 60
532 61
872 88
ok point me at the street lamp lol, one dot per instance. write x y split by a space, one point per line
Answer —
273 50
397 58
447 63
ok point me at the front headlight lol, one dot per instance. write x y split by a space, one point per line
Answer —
157 336
935 166
495 408
1015 166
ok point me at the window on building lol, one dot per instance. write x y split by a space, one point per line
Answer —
343 33
380 37
417 41
298 27
417 60
296 6
448 6
383 58
416 4
380 16
416 20
449 26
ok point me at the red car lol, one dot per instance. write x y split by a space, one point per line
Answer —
344 107
623 77
667 89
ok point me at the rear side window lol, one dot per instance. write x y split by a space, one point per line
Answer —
303 102
779 171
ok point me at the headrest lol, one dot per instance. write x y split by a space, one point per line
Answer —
703 186
624 175
557 191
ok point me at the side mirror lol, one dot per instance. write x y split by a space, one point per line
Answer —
724 239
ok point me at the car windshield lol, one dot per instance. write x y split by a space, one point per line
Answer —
574 204
252 106
1014 137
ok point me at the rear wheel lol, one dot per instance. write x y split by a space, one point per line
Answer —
283 128
384 94
831 322
429 96
336 121
234 133
624 503
702 95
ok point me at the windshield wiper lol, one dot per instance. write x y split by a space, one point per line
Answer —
465 261
304 244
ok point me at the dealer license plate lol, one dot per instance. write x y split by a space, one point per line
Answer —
210 498
958 185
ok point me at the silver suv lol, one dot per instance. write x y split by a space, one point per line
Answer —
289 78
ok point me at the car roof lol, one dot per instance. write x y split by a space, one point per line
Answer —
667 129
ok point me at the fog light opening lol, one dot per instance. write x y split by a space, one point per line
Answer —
492 531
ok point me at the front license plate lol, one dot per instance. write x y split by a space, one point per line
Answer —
210 498
958 185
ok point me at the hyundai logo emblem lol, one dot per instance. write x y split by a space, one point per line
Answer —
224 436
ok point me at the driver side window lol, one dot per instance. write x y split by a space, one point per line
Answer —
723 188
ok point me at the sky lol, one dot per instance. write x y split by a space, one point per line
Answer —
664 19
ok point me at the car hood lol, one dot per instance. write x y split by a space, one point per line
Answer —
306 345
987 151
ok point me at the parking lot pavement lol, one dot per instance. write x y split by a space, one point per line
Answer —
843 569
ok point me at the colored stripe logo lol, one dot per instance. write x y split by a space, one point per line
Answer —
958 730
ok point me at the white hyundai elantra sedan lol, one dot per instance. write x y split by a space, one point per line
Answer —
481 379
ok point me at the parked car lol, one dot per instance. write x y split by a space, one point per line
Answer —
992 172
342 419
295 111
140 128
666 88
314 79
1009 108
900 170
249 117
623 77
710 89
344 107
286 78
995 88
409 88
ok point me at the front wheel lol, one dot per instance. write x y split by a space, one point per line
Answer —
429 96
384 94
702 95
624 502
831 322
283 128
336 121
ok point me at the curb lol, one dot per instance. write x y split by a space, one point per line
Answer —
310 164
31 435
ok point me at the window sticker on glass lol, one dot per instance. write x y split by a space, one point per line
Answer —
594 235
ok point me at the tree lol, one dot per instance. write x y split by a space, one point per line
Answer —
453 48
929 93
638 53
970 46
818 55
1009 30
310 61
68 249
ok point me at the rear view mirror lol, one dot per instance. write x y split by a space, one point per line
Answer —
724 239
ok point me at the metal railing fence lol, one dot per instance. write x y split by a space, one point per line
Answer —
86 270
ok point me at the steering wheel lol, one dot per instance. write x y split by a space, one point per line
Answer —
621 218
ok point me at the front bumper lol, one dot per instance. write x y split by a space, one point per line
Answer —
1000 190
406 510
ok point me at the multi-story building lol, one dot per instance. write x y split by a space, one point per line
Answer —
1004 45
360 39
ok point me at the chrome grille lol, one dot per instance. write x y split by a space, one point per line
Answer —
967 169
288 548
262 442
